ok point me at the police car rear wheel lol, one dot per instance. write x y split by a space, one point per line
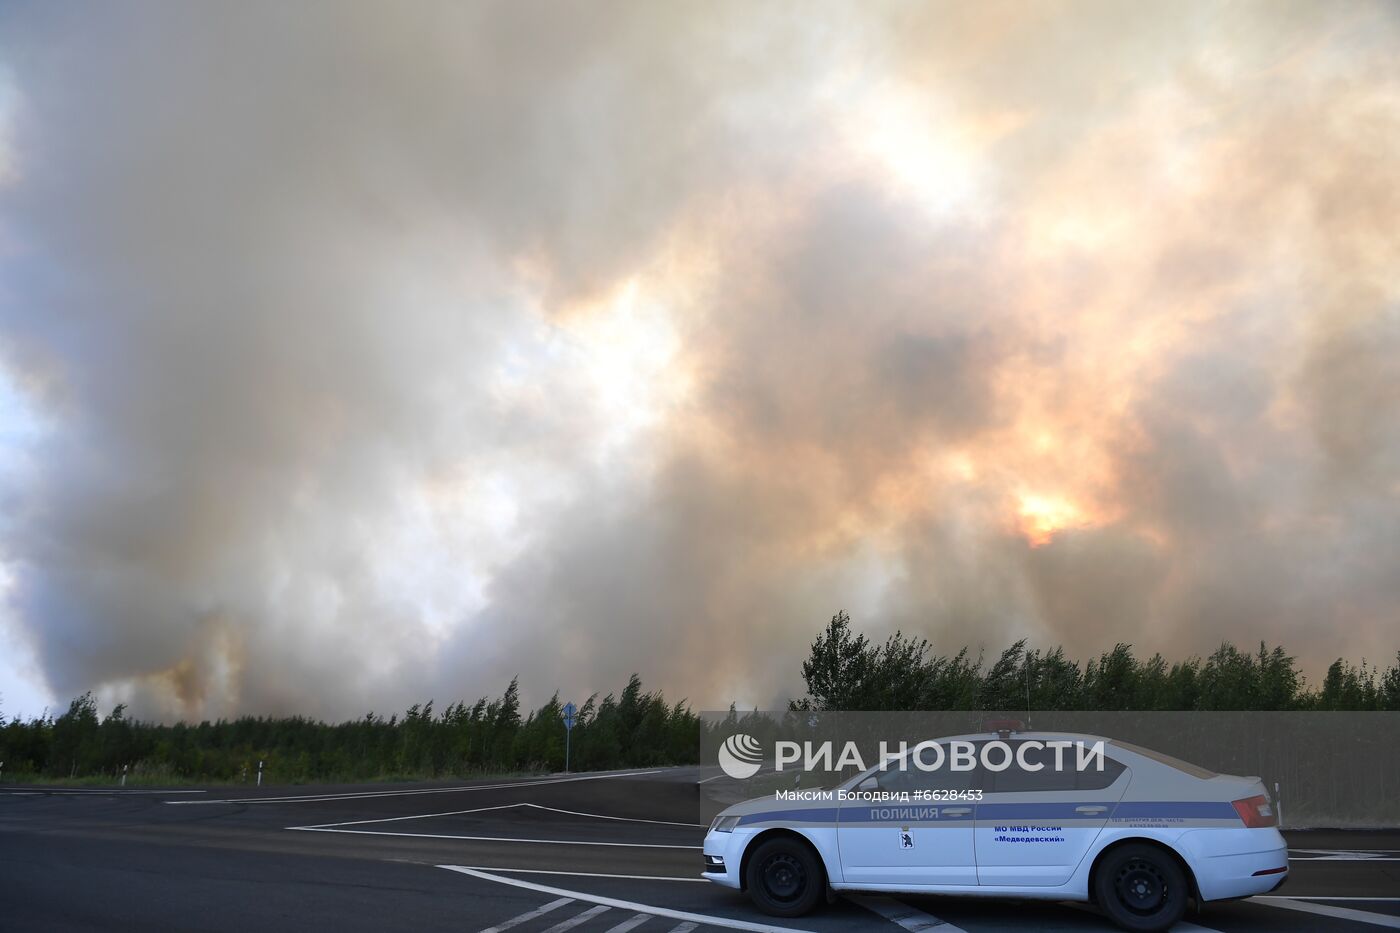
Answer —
784 878
1141 887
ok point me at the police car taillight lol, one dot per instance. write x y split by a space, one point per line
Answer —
1257 812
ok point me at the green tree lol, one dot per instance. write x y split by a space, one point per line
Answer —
1389 694
74 749
839 668
1006 684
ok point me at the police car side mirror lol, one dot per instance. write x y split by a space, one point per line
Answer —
870 783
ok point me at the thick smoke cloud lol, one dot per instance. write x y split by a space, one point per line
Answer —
383 353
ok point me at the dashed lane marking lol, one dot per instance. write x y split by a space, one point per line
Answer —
631 923
900 913
1181 926
528 915
578 920
682 915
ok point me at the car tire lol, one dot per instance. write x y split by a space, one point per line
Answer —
784 877
1141 887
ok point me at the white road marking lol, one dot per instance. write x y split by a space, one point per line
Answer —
758 774
1337 855
625 819
629 924
1181 926
582 874
1339 897
504 806
529 915
1341 913
579 920
626 905
360 795
552 842
902 914
116 791
416 816
1348 859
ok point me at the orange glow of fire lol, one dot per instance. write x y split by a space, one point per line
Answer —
1040 517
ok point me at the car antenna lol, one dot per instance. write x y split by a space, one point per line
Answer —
1028 690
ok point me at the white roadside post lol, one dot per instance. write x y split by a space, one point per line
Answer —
570 712
260 772
124 767
1278 804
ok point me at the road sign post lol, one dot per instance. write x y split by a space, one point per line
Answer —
570 713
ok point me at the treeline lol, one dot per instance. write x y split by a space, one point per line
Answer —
633 729
846 671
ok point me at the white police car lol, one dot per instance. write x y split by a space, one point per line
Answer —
1138 836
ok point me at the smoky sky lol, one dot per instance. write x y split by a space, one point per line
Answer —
359 354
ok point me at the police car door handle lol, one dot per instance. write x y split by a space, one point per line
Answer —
956 811
1090 809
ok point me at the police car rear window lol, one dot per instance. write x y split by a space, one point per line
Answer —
1183 766
1094 779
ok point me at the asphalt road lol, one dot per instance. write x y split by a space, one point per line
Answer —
588 853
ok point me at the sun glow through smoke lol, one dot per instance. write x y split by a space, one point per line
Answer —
1040 518
917 146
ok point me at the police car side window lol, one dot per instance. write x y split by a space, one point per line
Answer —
912 778
1016 779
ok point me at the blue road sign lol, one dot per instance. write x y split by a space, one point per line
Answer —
570 712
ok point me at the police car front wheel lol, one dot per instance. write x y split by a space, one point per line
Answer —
1141 887
784 878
